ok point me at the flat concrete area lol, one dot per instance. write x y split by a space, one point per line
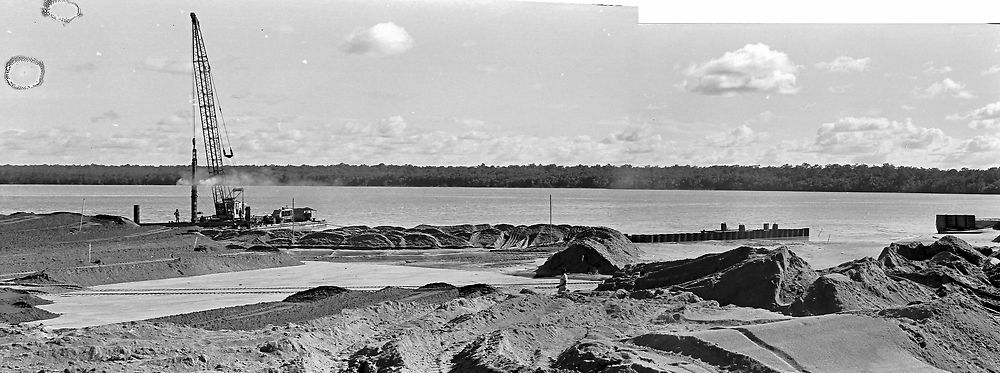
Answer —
107 304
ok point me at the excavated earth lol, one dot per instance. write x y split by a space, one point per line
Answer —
924 307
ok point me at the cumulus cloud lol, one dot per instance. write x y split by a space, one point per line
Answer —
383 39
986 117
982 144
845 64
992 70
753 68
168 65
743 135
875 140
393 126
946 87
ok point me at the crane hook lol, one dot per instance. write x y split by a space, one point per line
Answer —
228 155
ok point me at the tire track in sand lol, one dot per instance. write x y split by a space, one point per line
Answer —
781 354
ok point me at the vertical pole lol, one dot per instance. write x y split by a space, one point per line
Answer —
135 213
82 207
194 181
90 248
550 209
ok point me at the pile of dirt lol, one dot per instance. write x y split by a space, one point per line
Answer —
316 303
322 238
369 240
745 276
113 220
17 306
955 332
476 290
779 280
488 238
596 250
861 284
315 294
437 286
418 239
40 278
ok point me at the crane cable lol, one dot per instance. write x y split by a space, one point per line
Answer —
222 118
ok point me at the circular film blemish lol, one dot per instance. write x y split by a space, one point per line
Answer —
23 72
64 11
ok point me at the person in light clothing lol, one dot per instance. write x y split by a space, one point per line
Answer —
562 283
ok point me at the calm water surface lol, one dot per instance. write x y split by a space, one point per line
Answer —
841 217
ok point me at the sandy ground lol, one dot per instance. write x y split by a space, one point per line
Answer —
106 304
522 327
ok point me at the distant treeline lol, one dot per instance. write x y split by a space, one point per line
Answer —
804 177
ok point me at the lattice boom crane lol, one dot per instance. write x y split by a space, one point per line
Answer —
226 204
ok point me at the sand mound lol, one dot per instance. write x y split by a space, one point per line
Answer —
315 294
745 276
545 234
304 306
322 238
417 239
597 250
489 238
263 249
778 280
17 306
955 333
857 285
40 278
113 220
438 286
369 240
476 290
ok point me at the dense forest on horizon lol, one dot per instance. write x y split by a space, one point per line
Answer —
804 177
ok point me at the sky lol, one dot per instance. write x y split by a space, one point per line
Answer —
492 82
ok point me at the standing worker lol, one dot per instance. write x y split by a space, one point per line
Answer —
562 283
177 215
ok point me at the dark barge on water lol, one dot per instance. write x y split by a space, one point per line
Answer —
723 234
964 223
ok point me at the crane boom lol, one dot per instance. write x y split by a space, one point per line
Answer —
223 195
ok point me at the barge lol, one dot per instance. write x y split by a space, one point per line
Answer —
723 234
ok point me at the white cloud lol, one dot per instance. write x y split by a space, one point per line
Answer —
383 39
945 87
393 126
992 70
845 64
982 144
742 135
931 70
877 140
986 117
753 68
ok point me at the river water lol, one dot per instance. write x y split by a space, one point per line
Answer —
840 217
